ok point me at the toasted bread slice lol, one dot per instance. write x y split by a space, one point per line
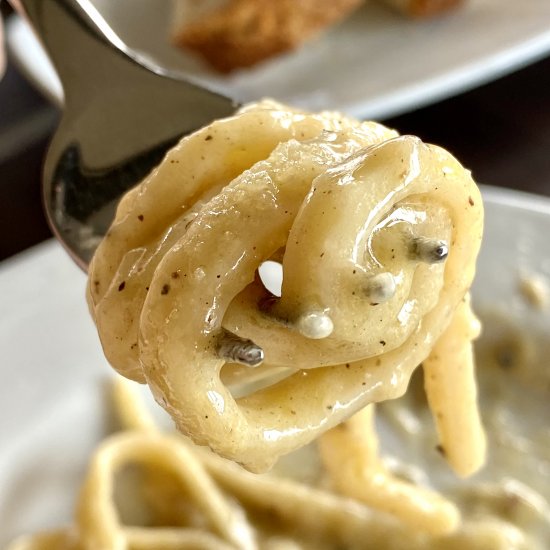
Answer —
234 34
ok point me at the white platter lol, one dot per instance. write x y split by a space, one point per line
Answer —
52 403
376 64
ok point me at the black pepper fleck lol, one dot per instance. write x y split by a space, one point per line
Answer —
165 290
121 286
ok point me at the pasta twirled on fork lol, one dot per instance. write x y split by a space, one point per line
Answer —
378 237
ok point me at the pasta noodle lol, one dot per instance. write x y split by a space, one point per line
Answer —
350 455
451 391
378 237
97 517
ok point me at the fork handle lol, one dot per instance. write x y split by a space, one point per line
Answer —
101 76
87 53
75 37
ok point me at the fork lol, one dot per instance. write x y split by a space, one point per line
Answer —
121 114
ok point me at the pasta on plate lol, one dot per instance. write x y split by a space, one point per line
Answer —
377 235
185 497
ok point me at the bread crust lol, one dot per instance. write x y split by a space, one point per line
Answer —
245 32
424 8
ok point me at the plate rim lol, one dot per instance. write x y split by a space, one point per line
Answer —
461 78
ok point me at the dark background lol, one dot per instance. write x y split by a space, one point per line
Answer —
501 131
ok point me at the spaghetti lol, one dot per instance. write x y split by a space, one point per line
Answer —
377 235
198 500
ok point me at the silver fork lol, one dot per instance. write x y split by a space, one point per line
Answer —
121 114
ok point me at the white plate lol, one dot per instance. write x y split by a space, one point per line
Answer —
53 409
374 65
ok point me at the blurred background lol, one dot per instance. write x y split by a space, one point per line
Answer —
499 128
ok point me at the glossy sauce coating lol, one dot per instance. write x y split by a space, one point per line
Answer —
344 205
